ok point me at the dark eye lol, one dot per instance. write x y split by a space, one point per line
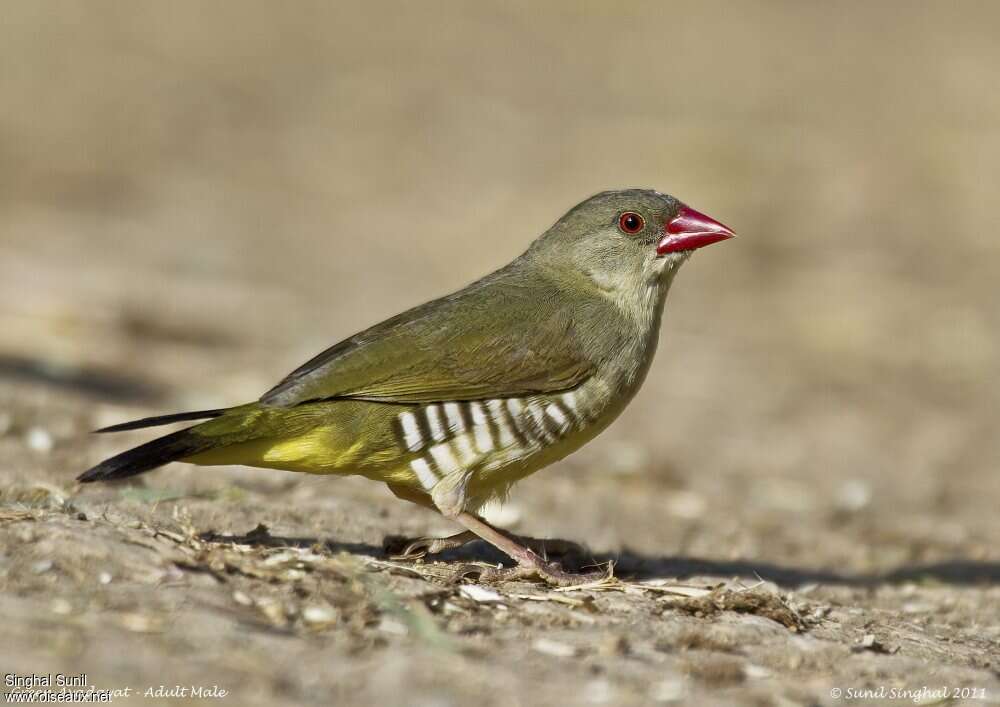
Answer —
630 222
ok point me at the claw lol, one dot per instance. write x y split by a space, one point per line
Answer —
403 549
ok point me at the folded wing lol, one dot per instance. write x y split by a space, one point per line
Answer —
496 338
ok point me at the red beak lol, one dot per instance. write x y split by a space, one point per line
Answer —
691 229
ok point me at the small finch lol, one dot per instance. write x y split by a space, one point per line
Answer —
452 402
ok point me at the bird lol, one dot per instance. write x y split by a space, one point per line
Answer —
452 402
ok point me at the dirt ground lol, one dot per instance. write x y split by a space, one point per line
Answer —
802 500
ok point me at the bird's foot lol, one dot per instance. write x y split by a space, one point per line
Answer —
399 548
533 567
531 555
406 549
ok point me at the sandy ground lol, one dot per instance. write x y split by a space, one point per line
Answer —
802 499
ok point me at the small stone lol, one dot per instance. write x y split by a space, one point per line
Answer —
854 495
104 578
870 643
280 558
42 566
819 613
554 648
39 440
479 593
318 614
273 611
242 598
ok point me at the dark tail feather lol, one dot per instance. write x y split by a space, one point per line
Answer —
162 420
145 457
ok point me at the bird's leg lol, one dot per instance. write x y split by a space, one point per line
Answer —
448 496
529 564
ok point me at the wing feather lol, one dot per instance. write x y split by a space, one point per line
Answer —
500 337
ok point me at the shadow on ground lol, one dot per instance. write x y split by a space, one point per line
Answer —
102 384
636 566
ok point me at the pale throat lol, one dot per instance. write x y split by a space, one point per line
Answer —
639 293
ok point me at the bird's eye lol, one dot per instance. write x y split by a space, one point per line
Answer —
630 222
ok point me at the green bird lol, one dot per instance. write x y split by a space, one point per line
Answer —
452 402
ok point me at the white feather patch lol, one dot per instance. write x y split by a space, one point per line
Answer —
424 473
495 407
553 411
444 458
454 415
434 420
411 433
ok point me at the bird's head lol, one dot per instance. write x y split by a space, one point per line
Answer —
628 237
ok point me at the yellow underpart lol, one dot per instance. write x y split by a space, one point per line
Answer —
318 451
314 452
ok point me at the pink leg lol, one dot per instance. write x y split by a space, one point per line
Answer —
529 563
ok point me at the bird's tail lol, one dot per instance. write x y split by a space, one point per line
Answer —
148 456
163 420
228 437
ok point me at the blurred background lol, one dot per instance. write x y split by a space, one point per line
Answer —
198 196
195 197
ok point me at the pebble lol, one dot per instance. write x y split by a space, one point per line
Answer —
40 440
273 611
479 593
853 495
318 614
554 648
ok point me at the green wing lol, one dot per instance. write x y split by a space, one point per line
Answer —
499 337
